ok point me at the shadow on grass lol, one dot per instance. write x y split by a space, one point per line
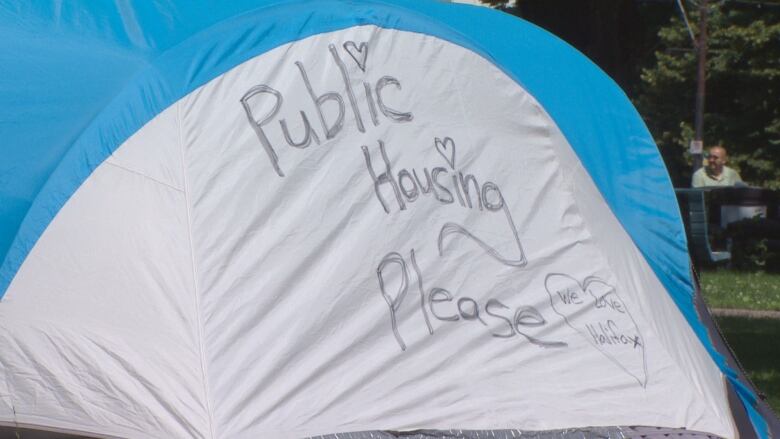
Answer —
756 343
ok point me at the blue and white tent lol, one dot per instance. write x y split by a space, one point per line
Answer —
284 219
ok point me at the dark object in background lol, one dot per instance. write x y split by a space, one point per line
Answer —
743 220
693 207
750 219
755 244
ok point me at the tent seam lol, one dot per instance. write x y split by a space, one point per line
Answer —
142 175
198 313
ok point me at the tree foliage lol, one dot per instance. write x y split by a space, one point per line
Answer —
742 109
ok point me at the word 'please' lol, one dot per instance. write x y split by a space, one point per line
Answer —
498 319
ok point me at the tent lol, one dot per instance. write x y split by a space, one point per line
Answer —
375 218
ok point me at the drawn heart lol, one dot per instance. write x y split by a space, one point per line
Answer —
594 310
446 148
358 52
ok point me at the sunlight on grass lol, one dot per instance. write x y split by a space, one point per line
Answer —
741 290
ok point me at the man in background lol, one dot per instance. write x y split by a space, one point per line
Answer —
716 173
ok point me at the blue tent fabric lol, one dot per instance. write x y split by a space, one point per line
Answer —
78 78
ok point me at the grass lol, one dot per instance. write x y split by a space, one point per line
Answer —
741 290
755 343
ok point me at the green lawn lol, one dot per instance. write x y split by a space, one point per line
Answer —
756 344
741 290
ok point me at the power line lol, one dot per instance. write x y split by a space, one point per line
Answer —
687 23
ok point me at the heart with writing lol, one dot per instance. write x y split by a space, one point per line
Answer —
358 52
594 309
446 147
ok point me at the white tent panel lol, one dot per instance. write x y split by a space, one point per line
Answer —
270 290
99 330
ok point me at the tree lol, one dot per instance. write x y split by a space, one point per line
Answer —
742 109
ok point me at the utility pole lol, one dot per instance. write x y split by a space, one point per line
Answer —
701 78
